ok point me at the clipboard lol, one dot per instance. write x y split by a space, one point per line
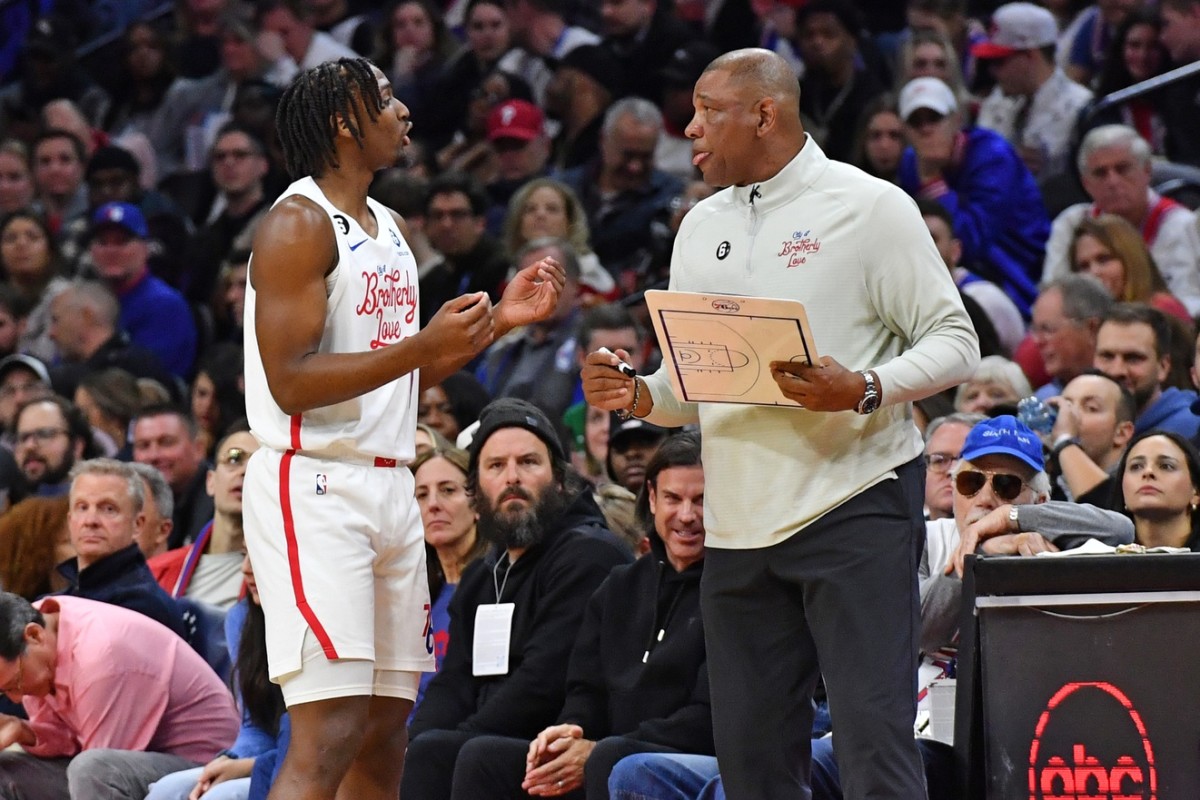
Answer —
718 348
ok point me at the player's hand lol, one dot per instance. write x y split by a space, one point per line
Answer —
827 386
605 386
462 327
531 296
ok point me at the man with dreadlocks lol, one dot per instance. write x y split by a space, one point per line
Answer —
335 359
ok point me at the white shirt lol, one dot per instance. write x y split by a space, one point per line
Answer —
1053 112
878 296
1176 249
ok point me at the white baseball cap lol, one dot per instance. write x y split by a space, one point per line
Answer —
1016 27
928 92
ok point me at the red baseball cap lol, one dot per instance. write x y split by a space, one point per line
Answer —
515 119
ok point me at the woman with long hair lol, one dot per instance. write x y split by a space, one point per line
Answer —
1135 54
29 261
145 73
415 47
545 207
451 541
1160 490
880 141
227 777
1113 251
217 396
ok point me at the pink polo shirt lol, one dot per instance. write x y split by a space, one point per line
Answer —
124 681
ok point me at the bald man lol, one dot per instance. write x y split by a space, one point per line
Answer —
814 519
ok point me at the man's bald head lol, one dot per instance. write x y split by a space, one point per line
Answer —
763 72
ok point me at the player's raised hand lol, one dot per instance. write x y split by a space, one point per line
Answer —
462 327
531 296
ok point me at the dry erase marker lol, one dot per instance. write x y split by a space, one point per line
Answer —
621 365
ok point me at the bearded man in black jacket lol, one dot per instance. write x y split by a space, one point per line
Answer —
517 610
637 680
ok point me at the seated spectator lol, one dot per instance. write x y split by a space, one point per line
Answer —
209 569
109 399
303 46
838 82
621 191
114 700
22 378
997 208
1160 489
516 133
996 382
1066 317
227 777
451 541
16 176
674 152
85 326
1034 105
158 508
105 515
632 444
59 159
144 72
168 439
642 35
1111 250
550 542
428 439
585 85
537 363
880 143
1093 36
51 435
1000 486
944 438
153 314
544 207
1114 167
542 36
218 400
990 309
950 19
30 263
618 505
1181 36
1133 347
415 47
452 405
228 303
637 679
928 53
1091 431
1134 55
34 540
472 261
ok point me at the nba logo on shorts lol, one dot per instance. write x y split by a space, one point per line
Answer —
321 488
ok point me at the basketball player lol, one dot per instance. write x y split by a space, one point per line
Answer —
334 364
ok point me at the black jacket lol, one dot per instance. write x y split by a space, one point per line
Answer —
123 579
611 690
550 585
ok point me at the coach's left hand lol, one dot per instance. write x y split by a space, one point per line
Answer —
827 386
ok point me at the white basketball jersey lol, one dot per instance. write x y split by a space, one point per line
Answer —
372 303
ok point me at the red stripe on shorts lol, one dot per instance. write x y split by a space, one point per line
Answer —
289 532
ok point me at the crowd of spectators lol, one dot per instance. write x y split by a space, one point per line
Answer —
136 164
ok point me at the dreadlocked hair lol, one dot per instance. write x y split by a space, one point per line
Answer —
313 104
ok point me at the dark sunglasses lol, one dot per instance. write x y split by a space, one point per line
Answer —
1007 486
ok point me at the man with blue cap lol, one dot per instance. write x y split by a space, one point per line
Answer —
154 314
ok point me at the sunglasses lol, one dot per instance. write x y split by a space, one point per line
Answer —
1006 486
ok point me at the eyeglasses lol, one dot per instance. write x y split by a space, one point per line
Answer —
234 457
1007 486
13 389
939 462
16 687
41 435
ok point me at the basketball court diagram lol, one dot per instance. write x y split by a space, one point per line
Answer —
716 358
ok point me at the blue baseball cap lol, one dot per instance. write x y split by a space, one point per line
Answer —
1004 435
121 215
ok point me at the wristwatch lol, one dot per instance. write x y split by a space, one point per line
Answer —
1014 518
870 398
